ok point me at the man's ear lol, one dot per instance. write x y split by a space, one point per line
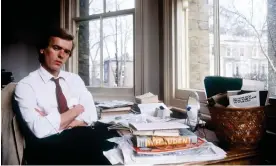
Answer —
41 51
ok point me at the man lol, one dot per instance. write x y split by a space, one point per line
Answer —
58 109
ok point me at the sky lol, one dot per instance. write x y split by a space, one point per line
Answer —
256 14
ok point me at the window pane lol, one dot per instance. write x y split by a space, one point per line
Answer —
90 7
89 52
243 28
118 51
115 5
114 59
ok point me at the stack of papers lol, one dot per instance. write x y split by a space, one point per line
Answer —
124 154
113 104
122 121
157 126
146 98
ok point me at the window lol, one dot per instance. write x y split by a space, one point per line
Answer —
228 52
254 69
229 71
240 27
241 52
209 36
245 24
106 38
254 52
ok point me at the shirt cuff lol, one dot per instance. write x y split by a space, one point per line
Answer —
85 117
54 119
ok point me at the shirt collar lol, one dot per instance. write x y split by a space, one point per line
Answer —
46 76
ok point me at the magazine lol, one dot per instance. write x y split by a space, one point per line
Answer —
169 148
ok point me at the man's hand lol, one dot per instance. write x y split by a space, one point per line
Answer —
78 109
76 123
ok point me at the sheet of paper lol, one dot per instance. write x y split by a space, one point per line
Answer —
130 118
158 125
205 152
245 100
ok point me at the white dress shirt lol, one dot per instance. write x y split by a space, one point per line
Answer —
37 91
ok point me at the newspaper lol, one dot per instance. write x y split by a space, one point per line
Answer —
125 154
123 121
245 100
113 104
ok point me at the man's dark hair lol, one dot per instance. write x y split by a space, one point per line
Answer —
46 37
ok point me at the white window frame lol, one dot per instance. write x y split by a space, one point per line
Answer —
69 17
172 95
173 12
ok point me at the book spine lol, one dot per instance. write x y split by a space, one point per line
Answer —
154 141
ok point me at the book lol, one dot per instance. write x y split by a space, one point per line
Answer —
146 98
118 109
157 126
188 133
168 148
186 137
173 132
112 114
155 141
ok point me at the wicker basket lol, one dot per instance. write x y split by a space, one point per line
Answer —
240 128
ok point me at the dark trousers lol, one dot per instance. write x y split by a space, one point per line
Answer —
80 145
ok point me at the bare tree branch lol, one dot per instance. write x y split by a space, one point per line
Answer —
90 1
257 35
251 10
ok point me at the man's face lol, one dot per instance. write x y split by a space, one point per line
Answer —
57 53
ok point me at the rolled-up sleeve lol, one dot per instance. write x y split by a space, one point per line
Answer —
41 126
86 100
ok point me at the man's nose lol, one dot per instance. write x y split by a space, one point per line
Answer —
61 54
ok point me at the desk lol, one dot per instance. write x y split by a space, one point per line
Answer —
234 157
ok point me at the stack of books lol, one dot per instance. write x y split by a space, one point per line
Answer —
114 107
162 138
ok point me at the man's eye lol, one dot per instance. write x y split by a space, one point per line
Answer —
67 52
56 48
